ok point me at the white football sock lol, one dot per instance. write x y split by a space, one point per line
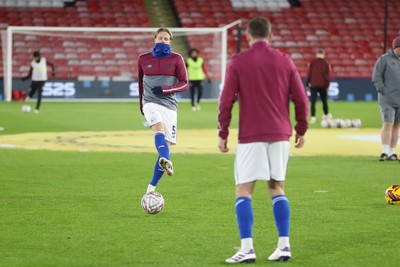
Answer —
283 242
150 188
392 151
385 149
246 244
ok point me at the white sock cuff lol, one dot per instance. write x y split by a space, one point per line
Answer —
246 244
283 242
158 132
385 149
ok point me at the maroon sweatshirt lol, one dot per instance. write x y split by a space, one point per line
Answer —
263 80
169 73
318 73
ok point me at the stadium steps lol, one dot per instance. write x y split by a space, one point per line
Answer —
351 32
161 14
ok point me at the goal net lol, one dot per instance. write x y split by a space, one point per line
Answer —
100 64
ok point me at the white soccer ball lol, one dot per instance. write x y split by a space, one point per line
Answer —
339 123
26 108
356 123
347 123
325 123
333 123
152 202
344 123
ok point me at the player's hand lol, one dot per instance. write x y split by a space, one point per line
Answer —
157 90
53 73
209 81
23 79
299 141
223 145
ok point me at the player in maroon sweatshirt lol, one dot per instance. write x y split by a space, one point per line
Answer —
318 80
262 80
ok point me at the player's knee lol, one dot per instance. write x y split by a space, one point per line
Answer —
388 125
158 127
274 184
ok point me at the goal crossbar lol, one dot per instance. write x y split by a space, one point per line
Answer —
11 30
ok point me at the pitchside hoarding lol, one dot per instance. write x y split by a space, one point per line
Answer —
343 89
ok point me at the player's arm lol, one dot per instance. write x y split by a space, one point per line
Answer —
29 74
308 77
300 100
328 75
377 75
226 102
53 69
140 83
181 75
206 72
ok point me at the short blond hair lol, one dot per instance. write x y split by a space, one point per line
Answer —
163 30
321 52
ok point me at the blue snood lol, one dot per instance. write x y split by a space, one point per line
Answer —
161 50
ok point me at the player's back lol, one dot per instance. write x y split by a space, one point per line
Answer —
266 78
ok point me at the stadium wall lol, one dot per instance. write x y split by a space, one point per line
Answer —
341 89
72 89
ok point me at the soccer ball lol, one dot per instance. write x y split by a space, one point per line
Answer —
333 123
26 108
392 195
152 202
345 123
325 123
356 123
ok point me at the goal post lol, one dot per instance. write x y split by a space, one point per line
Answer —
100 64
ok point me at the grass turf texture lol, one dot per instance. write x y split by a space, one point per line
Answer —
83 209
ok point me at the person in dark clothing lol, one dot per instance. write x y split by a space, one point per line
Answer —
38 72
318 80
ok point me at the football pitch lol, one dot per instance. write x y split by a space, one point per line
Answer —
72 176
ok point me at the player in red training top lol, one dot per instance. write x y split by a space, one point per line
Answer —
162 73
262 80
318 80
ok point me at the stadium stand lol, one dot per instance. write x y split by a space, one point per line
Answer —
351 32
107 58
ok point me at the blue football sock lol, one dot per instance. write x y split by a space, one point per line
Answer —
157 174
281 209
244 216
161 145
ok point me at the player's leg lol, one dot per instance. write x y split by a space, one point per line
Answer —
323 93
250 165
170 119
39 99
199 94
313 99
279 155
154 117
192 89
245 219
393 142
394 135
32 90
388 116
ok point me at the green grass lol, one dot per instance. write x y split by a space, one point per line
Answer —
83 209
55 117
